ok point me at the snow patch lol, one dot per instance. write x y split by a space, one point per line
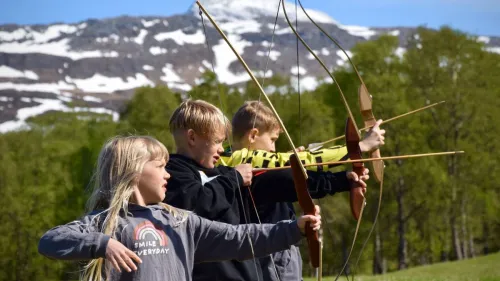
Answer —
182 38
240 27
493 49
282 31
484 39
46 105
273 55
57 48
343 56
394 33
15 35
140 38
224 56
6 71
230 10
360 31
310 56
400 52
155 51
300 70
307 83
39 87
91 99
102 84
52 32
147 67
173 80
149 23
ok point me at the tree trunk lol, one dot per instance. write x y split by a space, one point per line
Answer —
377 253
402 245
465 241
486 234
455 239
472 249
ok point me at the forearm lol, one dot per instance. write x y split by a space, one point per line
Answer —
66 243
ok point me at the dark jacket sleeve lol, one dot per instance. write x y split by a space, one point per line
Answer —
77 240
214 200
278 186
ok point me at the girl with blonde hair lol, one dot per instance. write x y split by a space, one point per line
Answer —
130 235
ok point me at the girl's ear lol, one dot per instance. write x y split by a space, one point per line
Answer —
254 133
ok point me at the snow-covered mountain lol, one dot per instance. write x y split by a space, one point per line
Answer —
95 65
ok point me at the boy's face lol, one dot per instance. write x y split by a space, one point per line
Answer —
206 151
265 141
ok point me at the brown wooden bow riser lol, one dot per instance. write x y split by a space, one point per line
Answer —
307 205
352 142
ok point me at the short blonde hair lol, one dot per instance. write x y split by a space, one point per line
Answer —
202 117
253 112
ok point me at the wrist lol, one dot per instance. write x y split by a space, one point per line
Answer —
363 147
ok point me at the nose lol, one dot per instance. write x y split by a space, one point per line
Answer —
166 175
220 149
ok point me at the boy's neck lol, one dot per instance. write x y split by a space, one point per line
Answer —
238 146
184 152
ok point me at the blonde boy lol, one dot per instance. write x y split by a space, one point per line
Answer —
199 130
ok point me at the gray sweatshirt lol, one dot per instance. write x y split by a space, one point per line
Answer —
167 245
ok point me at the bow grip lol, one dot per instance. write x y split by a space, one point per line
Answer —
307 205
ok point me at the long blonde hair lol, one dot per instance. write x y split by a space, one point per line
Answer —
120 162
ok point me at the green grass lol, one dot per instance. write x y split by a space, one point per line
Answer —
486 268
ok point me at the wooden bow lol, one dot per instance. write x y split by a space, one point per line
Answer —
365 102
299 174
353 201
357 199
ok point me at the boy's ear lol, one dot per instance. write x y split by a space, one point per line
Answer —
191 137
253 135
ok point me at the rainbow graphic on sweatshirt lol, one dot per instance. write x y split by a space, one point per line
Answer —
147 233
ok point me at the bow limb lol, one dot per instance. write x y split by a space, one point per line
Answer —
321 63
357 197
300 178
365 102
356 200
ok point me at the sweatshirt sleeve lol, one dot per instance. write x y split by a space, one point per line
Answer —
215 241
213 199
265 159
77 240
278 186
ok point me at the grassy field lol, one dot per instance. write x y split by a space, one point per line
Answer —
485 268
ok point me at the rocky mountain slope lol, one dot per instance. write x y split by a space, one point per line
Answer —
95 65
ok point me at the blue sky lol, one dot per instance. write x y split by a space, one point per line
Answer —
480 17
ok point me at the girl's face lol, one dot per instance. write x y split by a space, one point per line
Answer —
152 183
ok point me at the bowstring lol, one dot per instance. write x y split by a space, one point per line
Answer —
228 137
